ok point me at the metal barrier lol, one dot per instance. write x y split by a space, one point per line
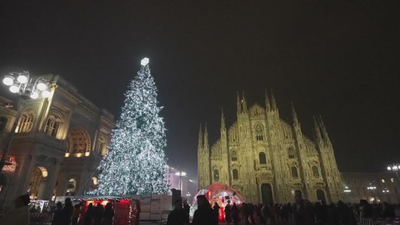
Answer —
40 218
380 221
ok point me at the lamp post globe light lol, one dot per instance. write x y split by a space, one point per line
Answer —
26 87
395 168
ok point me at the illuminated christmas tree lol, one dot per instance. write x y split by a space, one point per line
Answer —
136 161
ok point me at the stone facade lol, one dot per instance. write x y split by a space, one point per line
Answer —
269 160
58 144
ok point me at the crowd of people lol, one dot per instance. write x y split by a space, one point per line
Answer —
94 215
62 215
303 213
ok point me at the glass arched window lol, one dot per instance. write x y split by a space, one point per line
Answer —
3 123
262 158
234 155
216 175
315 171
25 122
291 153
53 125
295 174
259 133
235 174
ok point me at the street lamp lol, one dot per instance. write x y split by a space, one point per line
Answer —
395 168
180 175
22 84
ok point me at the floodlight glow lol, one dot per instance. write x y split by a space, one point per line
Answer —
144 61
22 79
8 81
395 167
14 88
183 174
34 95
46 94
41 86
389 168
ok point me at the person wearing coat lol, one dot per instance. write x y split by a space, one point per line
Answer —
204 215
20 214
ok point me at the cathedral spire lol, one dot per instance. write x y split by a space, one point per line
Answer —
200 146
223 127
317 131
267 103
206 146
239 104
244 103
323 130
273 101
294 115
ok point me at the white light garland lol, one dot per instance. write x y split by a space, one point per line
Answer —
136 161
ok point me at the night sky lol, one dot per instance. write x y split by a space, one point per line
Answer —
338 59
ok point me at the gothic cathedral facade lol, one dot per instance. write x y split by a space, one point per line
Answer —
269 160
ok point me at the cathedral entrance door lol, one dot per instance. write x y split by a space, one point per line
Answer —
298 196
321 195
266 192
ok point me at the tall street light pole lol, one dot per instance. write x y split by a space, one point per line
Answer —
22 84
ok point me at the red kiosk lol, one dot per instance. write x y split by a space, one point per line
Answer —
220 194
126 210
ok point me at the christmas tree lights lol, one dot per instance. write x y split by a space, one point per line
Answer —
136 161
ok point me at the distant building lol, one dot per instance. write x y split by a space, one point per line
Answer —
269 160
58 144
187 186
373 187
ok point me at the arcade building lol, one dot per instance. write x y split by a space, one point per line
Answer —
58 144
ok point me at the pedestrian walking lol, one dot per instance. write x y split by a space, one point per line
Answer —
89 215
66 212
216 211
245 214
108 215
204 214
20 214
186 209
98 214
57 216
75 214
250 208
178 215
228 214
235 214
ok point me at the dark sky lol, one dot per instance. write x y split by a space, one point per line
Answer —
338 59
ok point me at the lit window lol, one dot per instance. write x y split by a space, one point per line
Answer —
234 155
291 153
259 133
383 181
25 122
315 171
52 126
235 174
3 123
295 174
262 158
216 175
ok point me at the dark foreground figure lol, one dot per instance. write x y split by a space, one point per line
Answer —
204 213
